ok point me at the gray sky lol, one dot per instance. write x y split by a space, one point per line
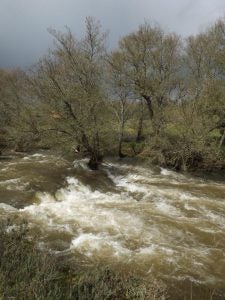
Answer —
23 23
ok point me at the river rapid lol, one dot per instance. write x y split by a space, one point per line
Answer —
128 214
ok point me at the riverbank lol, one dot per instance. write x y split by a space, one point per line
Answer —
208 170
26 272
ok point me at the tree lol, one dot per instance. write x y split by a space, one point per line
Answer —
10 105
121 93
71 80
205 65
151 60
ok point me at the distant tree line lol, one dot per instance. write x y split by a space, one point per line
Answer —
154 96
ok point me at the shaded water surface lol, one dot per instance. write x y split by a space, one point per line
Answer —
148 220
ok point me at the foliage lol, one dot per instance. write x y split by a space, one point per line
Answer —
154 95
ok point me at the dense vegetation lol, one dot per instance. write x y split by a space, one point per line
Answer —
155 96
29 273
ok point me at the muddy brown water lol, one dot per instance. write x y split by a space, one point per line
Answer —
149 220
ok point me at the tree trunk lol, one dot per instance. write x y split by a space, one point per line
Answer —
140 123
95 161
121 155
149 105
222 139
122 125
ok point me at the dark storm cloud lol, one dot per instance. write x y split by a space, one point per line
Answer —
23 23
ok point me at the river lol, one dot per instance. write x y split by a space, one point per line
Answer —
128 214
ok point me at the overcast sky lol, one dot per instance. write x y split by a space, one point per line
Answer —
23 23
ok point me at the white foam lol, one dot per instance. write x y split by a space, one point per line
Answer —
166 172
35 156
81 207
7 208
26 158
157 229
215 218
172 174
81 163
164 207
9 181
100 245
14 184
151 250
38 155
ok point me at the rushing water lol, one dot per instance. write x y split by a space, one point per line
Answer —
147 219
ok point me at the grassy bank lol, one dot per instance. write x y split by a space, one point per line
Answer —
29 273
